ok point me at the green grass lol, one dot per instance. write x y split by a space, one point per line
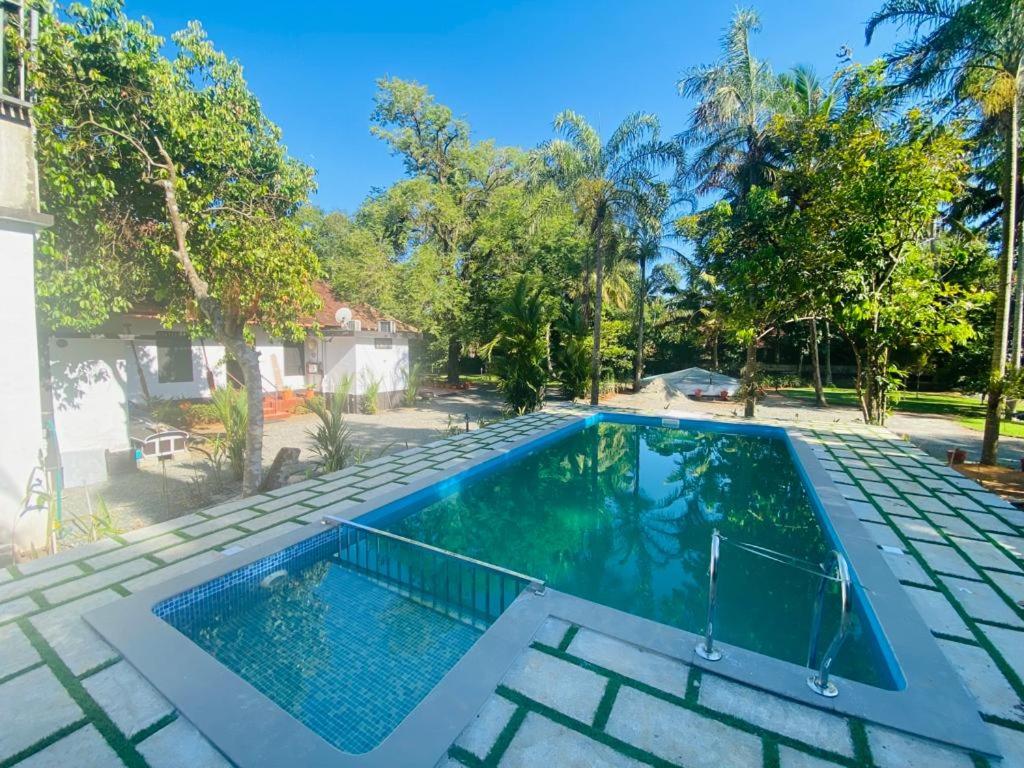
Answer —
969 411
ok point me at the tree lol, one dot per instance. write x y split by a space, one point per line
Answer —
519 348
572 359
647 230
450 184
871 190
730 126
168 165
606 182
964 50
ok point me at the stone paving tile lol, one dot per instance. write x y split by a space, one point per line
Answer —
917 529
680 735
16 652
892 749
139 534
32 706
75 641
267 535
126 697
27 584
852 492
219 523
551 632
945 559
938 614
14 609
65 556
566 687
1011 584
906 568
1009 643
883 535
961 502
284 501
540 742
866 511
200 544
812 726
180 745
995 696
929 504
791 758
986 555
631 661
340 474
479 736
327 499
878 489
988 522
379 491
302 485
131 551
1011 743
957 526
232 506
1014 545
981 601
84 748
273 518
897 507
98 580
170 571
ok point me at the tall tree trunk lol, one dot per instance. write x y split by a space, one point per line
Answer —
1018 312
211 308
749 380
454 357
638 368
819 393
595 357
828 356
997 366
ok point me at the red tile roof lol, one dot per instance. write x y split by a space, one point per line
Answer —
369 317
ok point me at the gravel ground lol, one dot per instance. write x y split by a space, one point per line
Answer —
158 492
163 490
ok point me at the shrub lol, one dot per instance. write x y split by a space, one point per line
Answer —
196 414
572 361
331 438
371 392
232 411
167 411
413 380
520 347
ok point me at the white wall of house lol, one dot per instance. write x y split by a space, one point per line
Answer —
363 358
90 405
20 412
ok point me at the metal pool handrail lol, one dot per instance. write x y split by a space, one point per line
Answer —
480 589
818 682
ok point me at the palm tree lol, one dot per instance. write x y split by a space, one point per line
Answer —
737 97
607 181
971 50
647 231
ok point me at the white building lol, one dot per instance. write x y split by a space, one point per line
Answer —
97 379
21 439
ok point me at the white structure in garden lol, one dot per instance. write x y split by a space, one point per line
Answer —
98 378
21 439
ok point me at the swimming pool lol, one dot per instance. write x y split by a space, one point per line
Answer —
614 509
622 514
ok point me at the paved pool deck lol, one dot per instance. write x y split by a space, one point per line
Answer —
575 697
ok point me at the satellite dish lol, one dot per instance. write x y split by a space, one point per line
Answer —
343 315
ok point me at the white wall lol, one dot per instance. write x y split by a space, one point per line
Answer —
389 366
338 355
20 412
90 404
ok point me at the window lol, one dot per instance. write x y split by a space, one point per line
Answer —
386 326
15 21
173 357
382 343
294 359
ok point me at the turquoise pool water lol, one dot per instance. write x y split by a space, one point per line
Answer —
343 654
622 514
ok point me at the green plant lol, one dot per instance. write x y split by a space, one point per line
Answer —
233 412
197 414
167 411
413 380
99 523
520 347
331 438
371 392
572 361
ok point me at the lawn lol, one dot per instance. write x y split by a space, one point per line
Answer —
969 411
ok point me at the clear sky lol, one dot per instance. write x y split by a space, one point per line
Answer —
507 68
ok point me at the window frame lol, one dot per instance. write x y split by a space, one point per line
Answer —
169 346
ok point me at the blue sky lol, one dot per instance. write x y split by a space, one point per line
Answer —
506 68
